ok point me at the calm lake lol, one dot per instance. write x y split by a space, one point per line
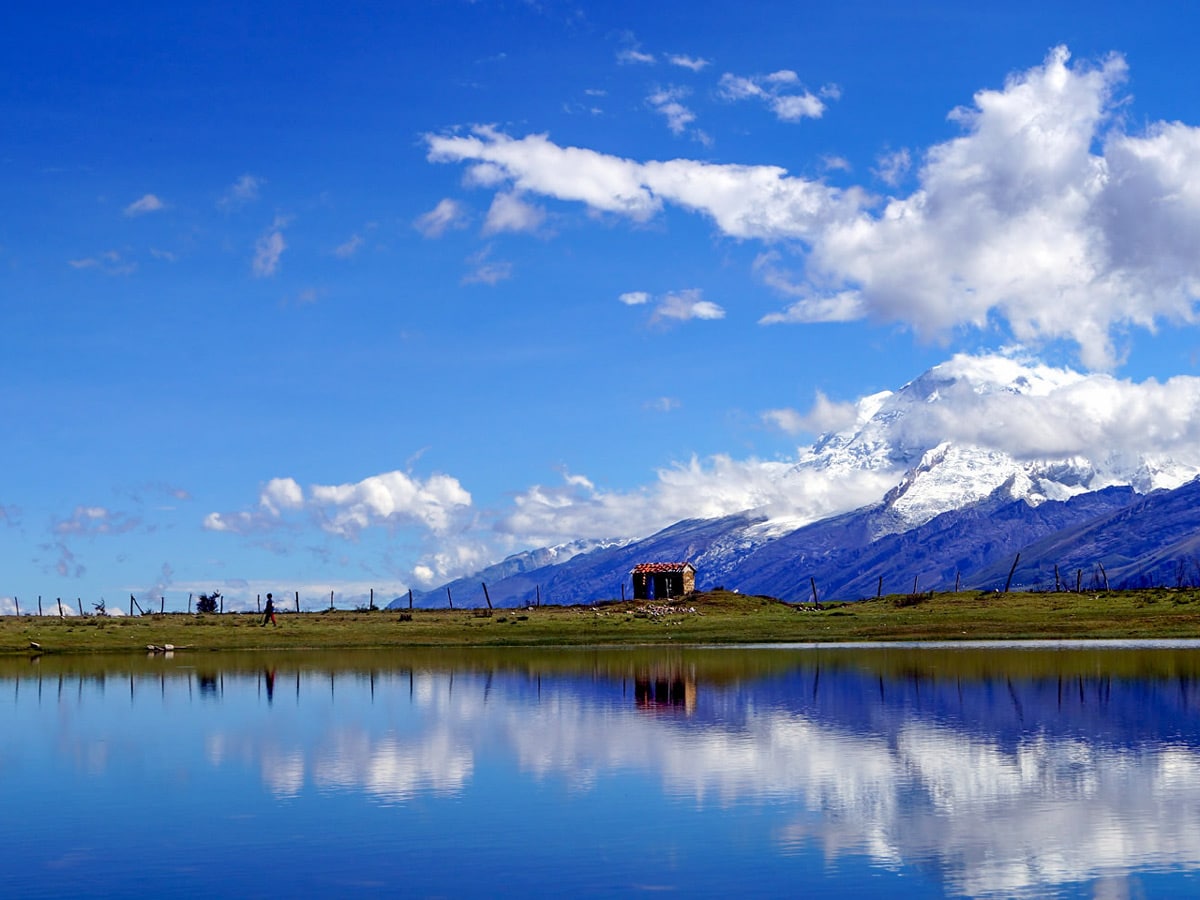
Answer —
835 771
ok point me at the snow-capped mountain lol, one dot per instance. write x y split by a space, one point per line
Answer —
983 404
928 472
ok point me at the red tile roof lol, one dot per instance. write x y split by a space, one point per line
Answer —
655 568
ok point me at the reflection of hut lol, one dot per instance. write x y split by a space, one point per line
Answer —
662 581
662 690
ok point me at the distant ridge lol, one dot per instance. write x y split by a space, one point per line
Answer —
946 513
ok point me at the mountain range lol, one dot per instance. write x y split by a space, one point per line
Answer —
957 513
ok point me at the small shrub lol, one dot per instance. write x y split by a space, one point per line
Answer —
207 603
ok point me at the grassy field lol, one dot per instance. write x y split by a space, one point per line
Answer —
712 618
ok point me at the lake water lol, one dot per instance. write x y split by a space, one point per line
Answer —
834 771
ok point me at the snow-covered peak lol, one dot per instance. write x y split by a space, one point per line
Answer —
964 429
989 374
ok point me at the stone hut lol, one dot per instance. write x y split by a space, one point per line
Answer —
662 581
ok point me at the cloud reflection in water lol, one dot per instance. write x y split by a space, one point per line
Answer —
998 787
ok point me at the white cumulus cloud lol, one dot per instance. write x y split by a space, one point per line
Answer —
744 201
390 499
1046 213
718 486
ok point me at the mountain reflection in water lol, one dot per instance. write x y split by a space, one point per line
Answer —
954 771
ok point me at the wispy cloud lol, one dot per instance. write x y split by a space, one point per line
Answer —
509 212
147 203
891 167
95 520
447 215
677 306
687 304
64 564
485 270
241 193
662 404
268 249
110 262
781 92
823 417
349 247
694 63
634 56
812 305
666 101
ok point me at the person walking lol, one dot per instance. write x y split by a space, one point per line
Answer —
269 612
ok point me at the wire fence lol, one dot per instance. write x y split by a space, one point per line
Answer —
192 604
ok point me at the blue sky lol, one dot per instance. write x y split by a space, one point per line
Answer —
336 298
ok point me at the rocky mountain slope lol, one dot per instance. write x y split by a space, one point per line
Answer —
947 511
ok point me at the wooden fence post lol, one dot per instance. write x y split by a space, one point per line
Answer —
448 597
79 603
1103 575
410 598
914 590
371 605
879 590
813 582
539 594
39 606
18 606
957 575
131 601
258 602
189 604
622 591
221 609
1078 579
162 604
1010 573
1057 583
60 612
297 601
485 595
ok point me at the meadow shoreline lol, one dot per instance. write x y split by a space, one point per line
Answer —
707 618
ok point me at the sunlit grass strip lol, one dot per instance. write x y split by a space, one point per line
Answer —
715 618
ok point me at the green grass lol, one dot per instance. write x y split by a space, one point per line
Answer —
718 618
